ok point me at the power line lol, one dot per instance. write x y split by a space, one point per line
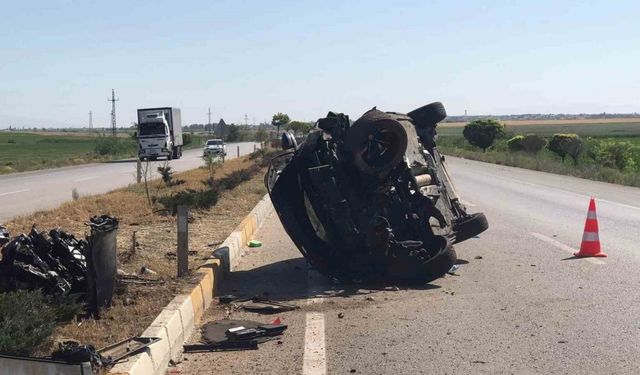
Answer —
113 101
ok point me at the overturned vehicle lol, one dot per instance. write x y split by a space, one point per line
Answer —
372 200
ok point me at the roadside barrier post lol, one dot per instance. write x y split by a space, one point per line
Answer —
254 147
138 171
183 241
238 151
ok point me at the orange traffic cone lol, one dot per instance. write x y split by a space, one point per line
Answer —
590 246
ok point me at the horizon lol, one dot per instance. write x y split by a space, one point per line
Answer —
306 59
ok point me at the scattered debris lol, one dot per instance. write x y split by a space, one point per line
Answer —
264 306
126 348
369 298
144 270
230 335
340 315
226 299
255 243
453 269
74 352
478 257
60 264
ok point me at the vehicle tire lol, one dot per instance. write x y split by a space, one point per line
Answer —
469 226
376 144
153 158
428 115
410 270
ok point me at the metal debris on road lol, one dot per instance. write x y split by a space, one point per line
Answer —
230 335
453 270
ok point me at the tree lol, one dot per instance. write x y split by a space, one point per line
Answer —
280 119
262 135
566 144
234 133
515 143
299 127
483 133
533 143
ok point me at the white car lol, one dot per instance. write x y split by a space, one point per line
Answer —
215 147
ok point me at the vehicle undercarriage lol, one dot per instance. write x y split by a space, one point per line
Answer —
372 200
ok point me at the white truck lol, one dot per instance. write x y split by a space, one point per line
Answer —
159 133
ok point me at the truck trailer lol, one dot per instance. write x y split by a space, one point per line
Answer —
159 133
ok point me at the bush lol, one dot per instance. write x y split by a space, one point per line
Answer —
533 143
566 144
483 133
614 154
515 143
27 318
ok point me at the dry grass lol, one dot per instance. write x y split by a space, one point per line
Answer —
156 236
552 122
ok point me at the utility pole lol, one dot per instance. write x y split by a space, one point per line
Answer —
246 120
209 123
113 101
90 120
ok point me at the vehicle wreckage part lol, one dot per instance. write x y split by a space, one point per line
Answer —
372 200
4 235
288 141
428 115
423 179
469 226
376 143
126 348
101 261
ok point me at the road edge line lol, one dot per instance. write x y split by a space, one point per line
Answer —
564 247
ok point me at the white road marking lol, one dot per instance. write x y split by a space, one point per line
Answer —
466 203
314 361
14 192
85 179
564 247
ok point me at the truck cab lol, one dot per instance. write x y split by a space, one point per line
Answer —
159 134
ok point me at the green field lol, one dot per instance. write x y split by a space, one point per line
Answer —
31 151
451 142
627 129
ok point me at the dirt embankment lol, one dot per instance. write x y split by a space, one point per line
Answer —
136 306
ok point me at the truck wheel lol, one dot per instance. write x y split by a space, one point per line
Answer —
469 226
428 115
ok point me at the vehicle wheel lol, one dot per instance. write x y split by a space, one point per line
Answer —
428 115
470 226
411 270
376 145
153 158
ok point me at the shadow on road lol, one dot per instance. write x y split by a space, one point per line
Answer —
288 281
123 161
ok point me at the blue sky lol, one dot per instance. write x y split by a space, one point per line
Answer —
60 59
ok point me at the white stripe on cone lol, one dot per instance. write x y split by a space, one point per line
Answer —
590 237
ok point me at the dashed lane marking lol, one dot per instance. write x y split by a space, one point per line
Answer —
564 247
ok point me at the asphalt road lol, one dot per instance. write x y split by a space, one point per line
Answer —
519 304
24 193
